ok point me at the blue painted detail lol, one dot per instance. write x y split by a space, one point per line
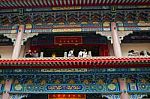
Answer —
65 88
112 96
133 86
45 17
91 80
137 96
77 71
139 87
1 88
113 87
143 86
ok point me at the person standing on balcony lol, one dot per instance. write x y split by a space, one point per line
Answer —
71 53
80 54
84 53
35 54
29 54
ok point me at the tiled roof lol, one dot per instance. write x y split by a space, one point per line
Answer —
75 62
60 3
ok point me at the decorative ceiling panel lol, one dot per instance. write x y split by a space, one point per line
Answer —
59 3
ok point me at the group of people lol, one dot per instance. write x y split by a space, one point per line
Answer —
30 54
137 53
81 53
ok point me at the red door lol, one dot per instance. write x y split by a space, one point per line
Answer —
67 96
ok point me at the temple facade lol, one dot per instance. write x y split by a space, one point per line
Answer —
74 49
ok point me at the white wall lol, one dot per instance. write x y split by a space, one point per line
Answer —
6 51
125 47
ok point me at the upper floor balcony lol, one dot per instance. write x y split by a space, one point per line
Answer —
76 49
136 44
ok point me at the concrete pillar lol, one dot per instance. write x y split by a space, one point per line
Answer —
17 47
7 88
123 88
115 39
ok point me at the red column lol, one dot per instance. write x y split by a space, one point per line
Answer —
103 50
106 51
100 51
17 47
7 88
116 42
123 88
124 96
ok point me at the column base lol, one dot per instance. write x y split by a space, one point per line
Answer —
5 96
124 96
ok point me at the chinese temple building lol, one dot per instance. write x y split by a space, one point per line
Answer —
74 49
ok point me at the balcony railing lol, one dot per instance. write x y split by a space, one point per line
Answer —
76 62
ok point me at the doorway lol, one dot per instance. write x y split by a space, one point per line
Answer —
95 96
67 96
36 96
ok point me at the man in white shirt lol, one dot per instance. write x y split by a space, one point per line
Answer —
71 53
84 53
80 54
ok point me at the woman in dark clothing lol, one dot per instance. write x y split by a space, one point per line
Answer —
28 54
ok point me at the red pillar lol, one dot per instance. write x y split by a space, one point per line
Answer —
7 88
17 47
116 42
103 50
123 88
